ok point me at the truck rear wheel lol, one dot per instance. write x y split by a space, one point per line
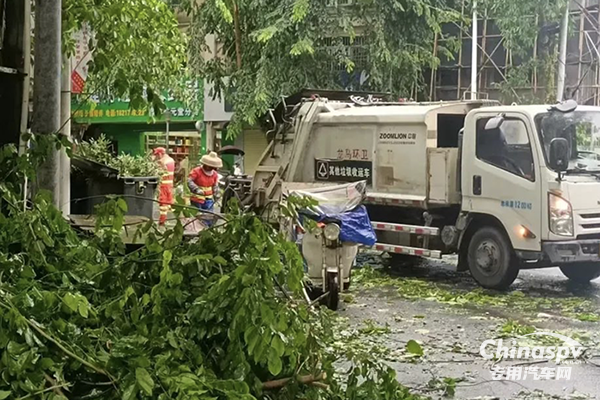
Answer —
582 273
491 259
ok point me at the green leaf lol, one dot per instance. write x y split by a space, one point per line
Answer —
145 300
252 336
4 394
414 348
130 393
274 361
303 46
83 309
122 204
72 302
220 260
278 345
225 12
300 10
264 35
167 257
144 380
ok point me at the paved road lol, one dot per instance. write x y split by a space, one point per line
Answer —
451 334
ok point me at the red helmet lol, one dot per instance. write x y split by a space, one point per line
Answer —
159 151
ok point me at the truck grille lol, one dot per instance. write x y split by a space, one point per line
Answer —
587 223
590 216
589 236
590 226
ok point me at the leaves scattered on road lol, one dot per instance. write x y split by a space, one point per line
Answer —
418 289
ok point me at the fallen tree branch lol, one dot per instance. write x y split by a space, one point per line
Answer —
54 384
280 286
50 389
67 351
303 379
320 385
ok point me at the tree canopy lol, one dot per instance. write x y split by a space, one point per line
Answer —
271 49
218 317
138 50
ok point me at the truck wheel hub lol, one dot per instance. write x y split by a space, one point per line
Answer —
487 256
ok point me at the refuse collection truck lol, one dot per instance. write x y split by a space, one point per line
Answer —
504 187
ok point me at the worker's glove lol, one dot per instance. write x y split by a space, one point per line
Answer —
199 192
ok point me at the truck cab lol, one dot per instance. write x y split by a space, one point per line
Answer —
513 177
504 187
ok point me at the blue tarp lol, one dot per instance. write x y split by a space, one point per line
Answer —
355 226
342 203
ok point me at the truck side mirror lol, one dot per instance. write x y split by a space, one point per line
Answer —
494 123
559 154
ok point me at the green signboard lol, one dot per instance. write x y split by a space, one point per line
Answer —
120 112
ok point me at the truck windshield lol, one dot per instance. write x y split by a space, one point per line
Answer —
582 131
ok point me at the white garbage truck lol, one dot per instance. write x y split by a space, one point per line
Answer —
504 187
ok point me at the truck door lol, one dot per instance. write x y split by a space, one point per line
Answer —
501 176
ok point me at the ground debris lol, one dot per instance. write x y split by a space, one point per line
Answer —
540 395
562 308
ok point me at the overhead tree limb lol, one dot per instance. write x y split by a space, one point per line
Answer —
303 379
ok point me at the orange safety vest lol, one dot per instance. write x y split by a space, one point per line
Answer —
169 173
205 183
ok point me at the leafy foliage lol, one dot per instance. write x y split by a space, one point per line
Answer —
99 150
445 385
219 317
297 44
525 25
397 57
138 50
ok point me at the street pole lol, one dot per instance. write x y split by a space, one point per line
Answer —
65 121
210 137
27 72
26 82
474 54
562 56
46 88
168 120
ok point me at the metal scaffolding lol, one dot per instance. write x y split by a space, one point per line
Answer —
451 80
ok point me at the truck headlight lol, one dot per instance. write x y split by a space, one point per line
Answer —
561 215
332 232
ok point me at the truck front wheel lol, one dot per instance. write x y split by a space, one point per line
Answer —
491 260
582 273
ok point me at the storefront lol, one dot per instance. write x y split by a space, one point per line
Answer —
133 131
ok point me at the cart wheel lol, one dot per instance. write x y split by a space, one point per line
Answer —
333 299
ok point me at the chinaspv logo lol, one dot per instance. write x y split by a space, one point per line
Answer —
536 346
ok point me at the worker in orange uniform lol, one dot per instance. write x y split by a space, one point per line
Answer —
203 182
165 189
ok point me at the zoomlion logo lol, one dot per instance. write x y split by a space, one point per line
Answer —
512 349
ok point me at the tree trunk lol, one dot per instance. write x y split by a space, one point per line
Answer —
46 88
